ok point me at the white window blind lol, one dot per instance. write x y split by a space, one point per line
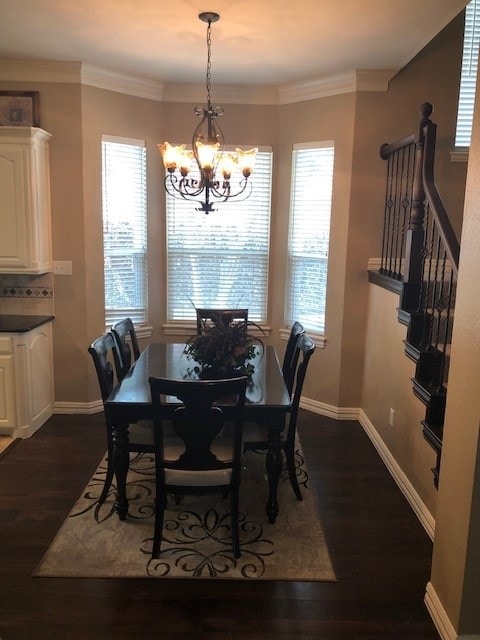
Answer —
468 78
124 229
309 233
220 260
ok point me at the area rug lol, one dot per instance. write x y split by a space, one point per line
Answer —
94 543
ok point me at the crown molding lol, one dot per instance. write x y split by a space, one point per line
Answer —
349 82
90 75
121 83
79 73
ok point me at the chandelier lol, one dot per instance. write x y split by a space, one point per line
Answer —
215 165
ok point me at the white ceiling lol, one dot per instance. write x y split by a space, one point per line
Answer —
266 42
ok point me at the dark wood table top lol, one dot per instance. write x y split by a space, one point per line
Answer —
266 389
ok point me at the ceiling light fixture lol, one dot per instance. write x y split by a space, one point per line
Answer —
215 165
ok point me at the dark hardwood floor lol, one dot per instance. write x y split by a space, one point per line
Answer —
380 552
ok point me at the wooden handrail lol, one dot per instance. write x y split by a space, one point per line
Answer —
388 148
445 228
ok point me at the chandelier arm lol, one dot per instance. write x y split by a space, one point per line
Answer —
225 193
210 189
185 187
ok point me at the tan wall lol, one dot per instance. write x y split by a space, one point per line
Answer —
456 556
387 385
116 114
330 118
60 115
432 77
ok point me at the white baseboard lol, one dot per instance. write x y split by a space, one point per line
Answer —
440 618
438 615
85 408
338 413
404 484
329 410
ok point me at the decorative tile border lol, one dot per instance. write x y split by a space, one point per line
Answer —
26 292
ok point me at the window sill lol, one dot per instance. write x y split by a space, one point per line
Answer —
143 331
190 328
318 338
459 155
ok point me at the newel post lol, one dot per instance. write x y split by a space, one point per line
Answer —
415 237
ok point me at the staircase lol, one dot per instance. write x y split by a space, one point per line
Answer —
420 261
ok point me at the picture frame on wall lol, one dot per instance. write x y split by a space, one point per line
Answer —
19 109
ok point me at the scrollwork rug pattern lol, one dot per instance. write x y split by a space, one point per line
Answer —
93 543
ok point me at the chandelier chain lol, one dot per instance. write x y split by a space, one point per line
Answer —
209 61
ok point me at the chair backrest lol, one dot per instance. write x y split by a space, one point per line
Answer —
306 347
103 350
123 353
209 317
292 353
197 422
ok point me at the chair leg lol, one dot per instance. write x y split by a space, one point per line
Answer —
160 504
290 458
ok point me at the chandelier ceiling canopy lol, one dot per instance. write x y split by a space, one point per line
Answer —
213 169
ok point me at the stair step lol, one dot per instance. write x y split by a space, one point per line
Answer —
433 435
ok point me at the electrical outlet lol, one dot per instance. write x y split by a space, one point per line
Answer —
391 419
62 267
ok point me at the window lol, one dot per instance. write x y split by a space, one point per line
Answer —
124 229
468 78
221 259
309 232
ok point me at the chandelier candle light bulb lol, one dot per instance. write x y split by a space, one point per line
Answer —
215 166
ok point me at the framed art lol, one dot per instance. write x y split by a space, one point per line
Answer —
19 109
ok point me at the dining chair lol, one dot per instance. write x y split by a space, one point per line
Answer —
122 330
209 317
140 434
205 456
255 435
290 359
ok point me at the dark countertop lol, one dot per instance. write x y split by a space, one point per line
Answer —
20 324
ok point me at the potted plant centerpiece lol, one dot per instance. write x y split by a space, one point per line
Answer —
224 350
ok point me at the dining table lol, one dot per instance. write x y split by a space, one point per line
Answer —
267 403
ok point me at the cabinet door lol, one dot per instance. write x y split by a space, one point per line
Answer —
25 239
7 391
14 207
40 375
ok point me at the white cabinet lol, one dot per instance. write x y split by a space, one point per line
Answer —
7 385
26 237
26 380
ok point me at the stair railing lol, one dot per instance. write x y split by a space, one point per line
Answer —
400 157
420 250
